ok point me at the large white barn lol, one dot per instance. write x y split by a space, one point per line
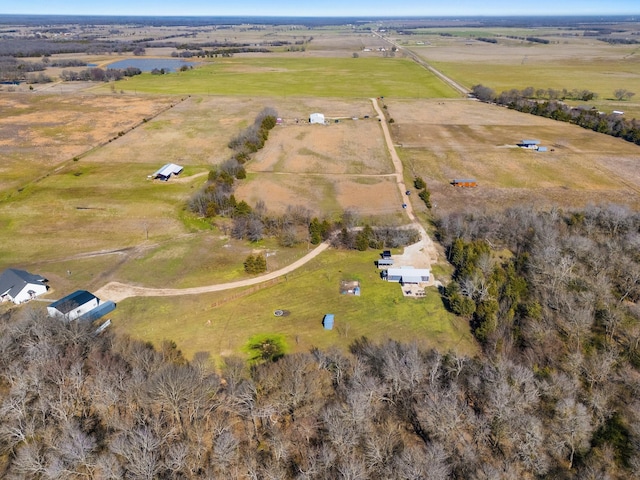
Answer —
74 305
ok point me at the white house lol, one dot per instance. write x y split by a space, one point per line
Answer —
19 286
316 118
74 305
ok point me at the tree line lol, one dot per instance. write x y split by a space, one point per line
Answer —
609 124
97 74
543 41
38 47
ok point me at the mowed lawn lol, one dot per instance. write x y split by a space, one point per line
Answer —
318 77
222 323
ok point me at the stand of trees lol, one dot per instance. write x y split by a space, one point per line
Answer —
591 119
563 302
99 74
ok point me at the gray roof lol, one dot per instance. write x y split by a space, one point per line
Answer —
12 281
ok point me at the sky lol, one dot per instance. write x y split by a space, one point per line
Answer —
329 8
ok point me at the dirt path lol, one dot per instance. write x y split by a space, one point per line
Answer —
117 291
425 245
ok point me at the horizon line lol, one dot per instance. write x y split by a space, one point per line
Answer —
545 15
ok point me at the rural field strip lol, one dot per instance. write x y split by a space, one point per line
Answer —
428 247
422 63
318 174
117 291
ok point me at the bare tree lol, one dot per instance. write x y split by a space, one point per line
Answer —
572 429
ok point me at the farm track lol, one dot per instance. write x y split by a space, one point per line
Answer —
425 245
117 291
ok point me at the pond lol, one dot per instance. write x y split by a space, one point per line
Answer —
148 64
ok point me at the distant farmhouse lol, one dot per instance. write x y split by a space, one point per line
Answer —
532 145
317 118
166 171
19 286
80 305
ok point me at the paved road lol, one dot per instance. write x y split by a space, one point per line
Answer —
463 90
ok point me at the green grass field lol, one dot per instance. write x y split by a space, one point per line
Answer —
195 323
318 77
597 76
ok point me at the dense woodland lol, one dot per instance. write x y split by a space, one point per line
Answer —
552 298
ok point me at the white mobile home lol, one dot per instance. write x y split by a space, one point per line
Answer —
407 275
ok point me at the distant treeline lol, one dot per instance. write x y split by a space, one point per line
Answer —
620 41
591 119
14 70
530 39
38 47
485 39
99 74
222 52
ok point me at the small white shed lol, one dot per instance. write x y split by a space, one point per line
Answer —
316 118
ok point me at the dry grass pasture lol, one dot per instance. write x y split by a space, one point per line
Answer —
326 168
40 132
443 140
